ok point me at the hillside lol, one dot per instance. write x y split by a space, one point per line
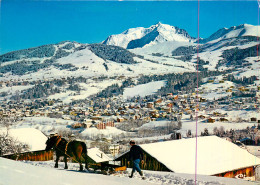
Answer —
43 173
72 71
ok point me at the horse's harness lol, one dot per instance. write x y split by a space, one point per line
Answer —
66 148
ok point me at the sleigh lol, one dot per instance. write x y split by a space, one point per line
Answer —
99 161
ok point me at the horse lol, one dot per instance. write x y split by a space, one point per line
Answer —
73 149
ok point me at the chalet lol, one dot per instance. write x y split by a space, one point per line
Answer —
150 105
77 125
120 119
97 157
242 88
100 125
179 156
35 139
229 90
211 120
201 117
97 118
158 101
247 141
202 100
223 119
216 114
114 150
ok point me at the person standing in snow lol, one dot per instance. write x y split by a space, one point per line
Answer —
135 155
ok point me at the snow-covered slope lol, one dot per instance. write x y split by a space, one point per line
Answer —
143 90
13 173
140 37
163 48
234 31
93 60
42 173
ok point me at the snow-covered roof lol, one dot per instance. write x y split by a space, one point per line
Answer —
98 156
33 137
214 155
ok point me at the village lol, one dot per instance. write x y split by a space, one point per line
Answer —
150 116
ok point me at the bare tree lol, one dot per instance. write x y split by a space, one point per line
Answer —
9 145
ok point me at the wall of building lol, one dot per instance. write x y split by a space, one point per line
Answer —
150 163
241 173
32 156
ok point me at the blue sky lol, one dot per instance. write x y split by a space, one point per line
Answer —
25 24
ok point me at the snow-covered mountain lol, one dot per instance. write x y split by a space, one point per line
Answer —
140 37
234 31
159 49
74 59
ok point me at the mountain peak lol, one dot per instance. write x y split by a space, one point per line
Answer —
140 37
159 23
234 31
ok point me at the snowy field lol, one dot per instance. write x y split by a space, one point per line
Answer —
42 173
108 132
143 89
45 124
154 124
191 125
87 89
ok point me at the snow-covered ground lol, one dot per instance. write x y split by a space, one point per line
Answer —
14 173
87 89
89 65
143 89
11 91
45 124
108 132
191 125
164 48
244 114
42 173
253 70
153 124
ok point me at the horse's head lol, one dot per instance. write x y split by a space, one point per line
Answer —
52 142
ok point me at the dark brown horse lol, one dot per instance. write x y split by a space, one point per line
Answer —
73 149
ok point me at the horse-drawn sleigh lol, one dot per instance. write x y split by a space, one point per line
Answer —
77 151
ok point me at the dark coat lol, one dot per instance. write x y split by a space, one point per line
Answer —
136 152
